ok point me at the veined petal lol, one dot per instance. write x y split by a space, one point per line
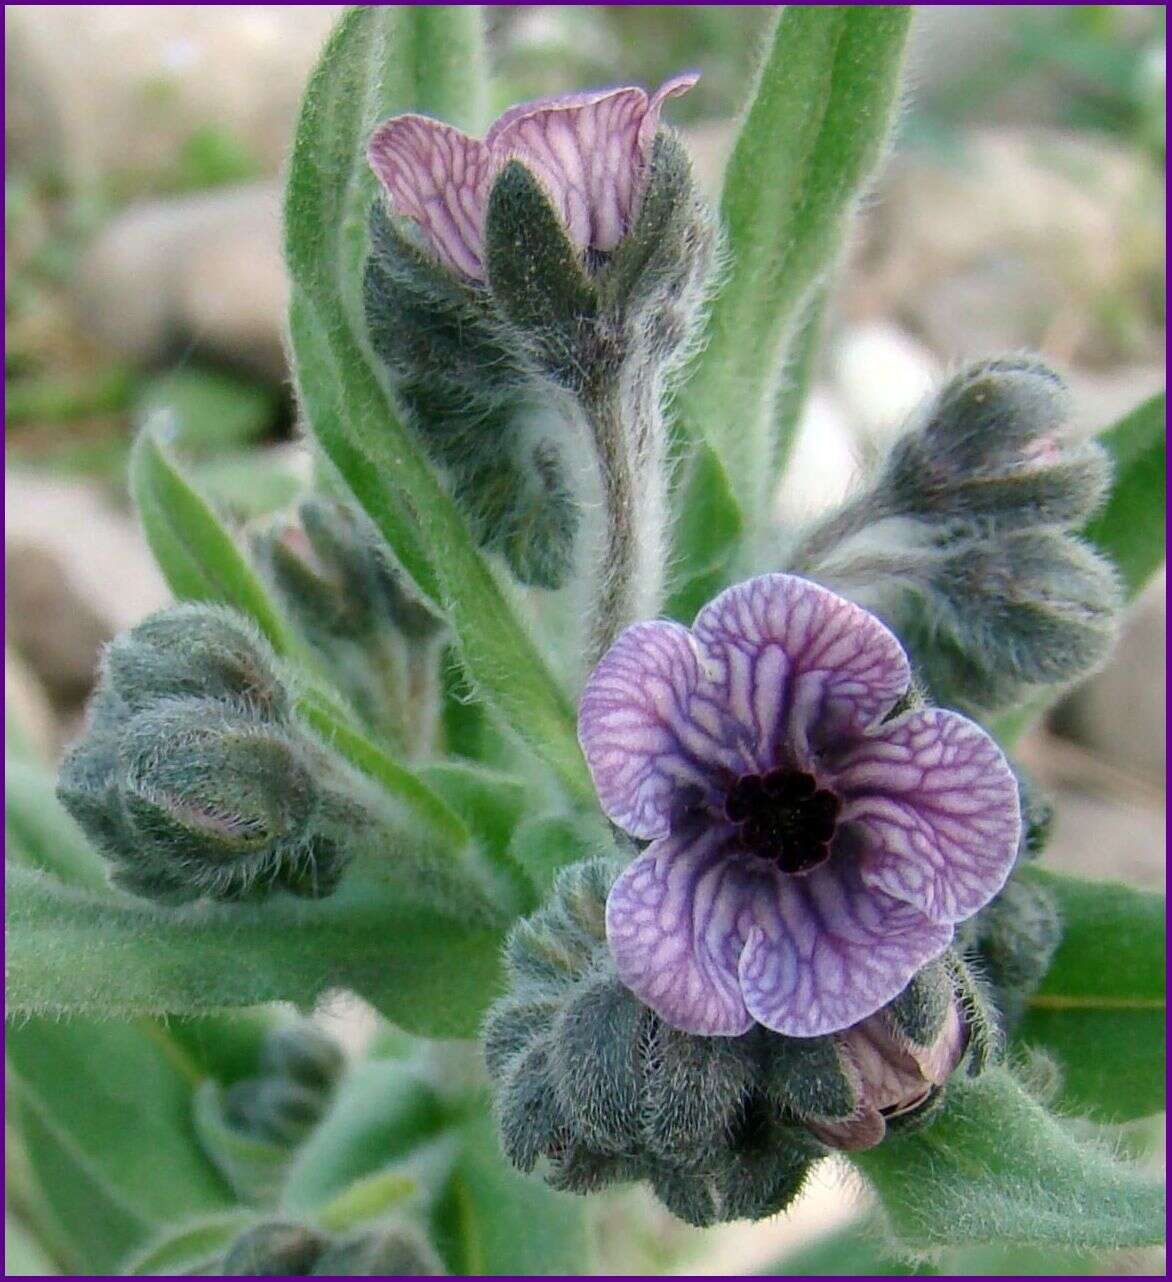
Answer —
648 732
799 666
589 151
825 950
439 177
674 924
935 810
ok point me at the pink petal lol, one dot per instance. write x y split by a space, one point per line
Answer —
673 923
649 731
669 89
797 663
590 152
935 810
440 177
825 951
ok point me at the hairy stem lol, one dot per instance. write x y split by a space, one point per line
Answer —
626 424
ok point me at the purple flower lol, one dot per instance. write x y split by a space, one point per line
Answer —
589 150
807 857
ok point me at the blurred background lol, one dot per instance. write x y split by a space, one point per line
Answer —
1023 207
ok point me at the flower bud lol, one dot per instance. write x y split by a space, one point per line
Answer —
599 1089
274 1249
196 782
199 650
273 1109
991 444
1014 940
250 1128
390 1251
303 1054
559 282
966 544
1003 617
335 578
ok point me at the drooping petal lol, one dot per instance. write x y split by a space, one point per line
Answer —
671 88
935 810
825 950
648 730
674 923
798 665
439 177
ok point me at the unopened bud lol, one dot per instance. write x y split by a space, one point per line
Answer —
274 1249
599 1089
303 1054
197 782
196 650
993 444
391 1251
1035 608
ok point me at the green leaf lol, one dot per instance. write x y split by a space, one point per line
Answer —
425 807
705 534
111 1105
196 553
1100 1009
994 1168
366 1199
43 833
88 1227
493 1220
1130 528
368 70
212 410
816 128
194 1247
24 1256
70 952
380 1113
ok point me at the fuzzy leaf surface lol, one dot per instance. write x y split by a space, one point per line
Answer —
995 1168
71 953
1101 1008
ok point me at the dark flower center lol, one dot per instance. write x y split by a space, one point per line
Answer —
784 816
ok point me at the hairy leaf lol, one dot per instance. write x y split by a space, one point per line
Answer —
366 72
1130 528
75 953
1100 1009
994 1168
197 555
816 127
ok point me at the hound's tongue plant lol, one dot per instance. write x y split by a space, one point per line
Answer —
728 875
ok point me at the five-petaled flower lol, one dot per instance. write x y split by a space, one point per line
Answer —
807 855
589 150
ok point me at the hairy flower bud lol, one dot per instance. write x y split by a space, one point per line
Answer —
966 543
303 1054
390 1251
992 444
334 575
274 1249
1014 940
194 650
193 780
250 1128
379 642
599 1088
530 336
